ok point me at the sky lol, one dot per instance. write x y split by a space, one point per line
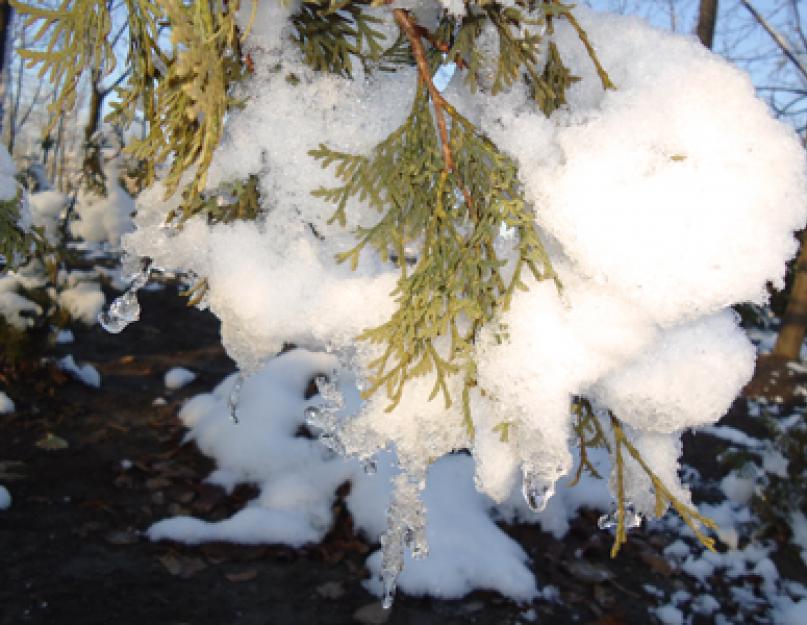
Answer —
740 39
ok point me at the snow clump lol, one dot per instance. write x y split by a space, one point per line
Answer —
5 498
662 202
104 218
84 373
6 404
177 377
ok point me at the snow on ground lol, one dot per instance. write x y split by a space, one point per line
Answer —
298 477
178 377
84 373
644 192
798 524
5 498
6 404
755 582
64 336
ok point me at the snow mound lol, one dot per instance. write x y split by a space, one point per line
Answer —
84 373
177 377
6 404
5 498
298 476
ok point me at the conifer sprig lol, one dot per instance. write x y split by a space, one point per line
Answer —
183 89
193 96
329 32
440 183
590 434
520 33
16 243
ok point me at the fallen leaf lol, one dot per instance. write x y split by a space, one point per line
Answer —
657 563
247 575
182 566
51 442
588 573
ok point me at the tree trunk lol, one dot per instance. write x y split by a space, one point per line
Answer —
5 44
707 17
92 166
15 105
794 322
5 22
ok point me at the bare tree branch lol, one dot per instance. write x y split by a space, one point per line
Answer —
784 46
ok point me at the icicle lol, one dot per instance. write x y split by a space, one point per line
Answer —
323 416
536 489
609 521
125 309
406 529
235 397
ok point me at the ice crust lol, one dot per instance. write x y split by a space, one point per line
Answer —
662 202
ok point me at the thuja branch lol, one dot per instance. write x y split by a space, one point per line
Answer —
664 497
458 283
413 33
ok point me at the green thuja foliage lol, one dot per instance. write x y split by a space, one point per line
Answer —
457 284
180 83
438 181
75 38
192 97
520 32
16 243
439 185
590 434
330 32
238 200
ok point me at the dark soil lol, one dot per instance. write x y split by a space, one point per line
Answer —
72 552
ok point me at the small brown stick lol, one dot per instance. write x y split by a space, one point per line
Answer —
414 32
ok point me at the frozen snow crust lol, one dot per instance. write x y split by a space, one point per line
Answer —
662 203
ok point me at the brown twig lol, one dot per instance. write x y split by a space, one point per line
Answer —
414 32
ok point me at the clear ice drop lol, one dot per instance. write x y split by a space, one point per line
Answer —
235 397
537 491
125 308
